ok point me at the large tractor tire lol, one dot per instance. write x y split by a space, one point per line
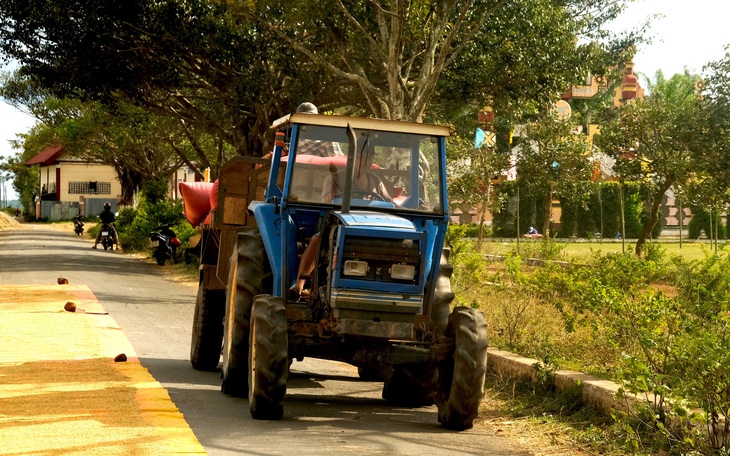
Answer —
249 276
443 296
268 358
415 385
207 339
461 377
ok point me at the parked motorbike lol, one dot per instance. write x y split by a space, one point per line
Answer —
78 225
107 237
165 243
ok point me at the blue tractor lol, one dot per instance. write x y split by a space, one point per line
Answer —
333 249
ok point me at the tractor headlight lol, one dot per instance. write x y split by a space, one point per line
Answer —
355 268
403 271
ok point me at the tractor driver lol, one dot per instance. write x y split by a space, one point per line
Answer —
365 185
312 146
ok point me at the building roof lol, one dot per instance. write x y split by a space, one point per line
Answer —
47 157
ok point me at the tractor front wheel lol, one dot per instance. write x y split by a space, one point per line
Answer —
268 358
461 376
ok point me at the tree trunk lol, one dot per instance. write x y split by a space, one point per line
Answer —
653 217
548 215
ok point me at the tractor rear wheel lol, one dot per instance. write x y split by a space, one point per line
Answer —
207 339
268 358
461 377
249 276
411 385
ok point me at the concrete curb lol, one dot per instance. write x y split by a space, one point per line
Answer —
598 393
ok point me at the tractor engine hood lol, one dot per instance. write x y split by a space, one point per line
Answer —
374 219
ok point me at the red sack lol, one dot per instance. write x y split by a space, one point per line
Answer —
213 203
196 200
214 196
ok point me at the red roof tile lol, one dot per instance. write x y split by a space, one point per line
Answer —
47 156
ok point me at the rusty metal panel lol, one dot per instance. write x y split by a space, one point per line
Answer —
210 280
227 244
235 210
384 329
298 312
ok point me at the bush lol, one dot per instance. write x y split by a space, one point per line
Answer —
468 265
701 222
135 225
672 346
541 249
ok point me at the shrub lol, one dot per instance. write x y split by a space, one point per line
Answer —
701 222
135 225
541 249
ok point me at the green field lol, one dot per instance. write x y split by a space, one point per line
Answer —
689 250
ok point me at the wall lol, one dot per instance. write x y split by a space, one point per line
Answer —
85 173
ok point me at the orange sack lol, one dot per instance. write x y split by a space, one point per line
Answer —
196 199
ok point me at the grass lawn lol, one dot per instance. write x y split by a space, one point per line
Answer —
689 250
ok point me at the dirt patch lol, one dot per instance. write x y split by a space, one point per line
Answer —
6 220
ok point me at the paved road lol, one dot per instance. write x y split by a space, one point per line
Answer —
328 410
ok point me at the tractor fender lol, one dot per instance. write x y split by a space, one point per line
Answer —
277 232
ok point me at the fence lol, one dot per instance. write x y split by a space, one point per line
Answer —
65 210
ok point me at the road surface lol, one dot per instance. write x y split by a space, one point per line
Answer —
328 410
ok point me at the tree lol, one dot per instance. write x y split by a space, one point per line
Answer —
553 161
189 60
656 141
398 55
470 172
25 179
714 93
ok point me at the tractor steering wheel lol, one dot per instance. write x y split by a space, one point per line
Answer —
361 194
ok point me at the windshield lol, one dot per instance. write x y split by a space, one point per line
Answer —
391 169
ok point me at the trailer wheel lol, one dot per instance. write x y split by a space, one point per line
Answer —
461 377
207 339
249 276
268 358
411 385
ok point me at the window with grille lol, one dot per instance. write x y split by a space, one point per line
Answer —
89 188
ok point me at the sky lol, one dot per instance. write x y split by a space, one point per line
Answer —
691 34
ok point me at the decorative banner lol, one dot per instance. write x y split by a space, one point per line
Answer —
479 138
562 110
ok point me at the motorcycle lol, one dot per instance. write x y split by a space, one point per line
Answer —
78 225
107 237
165 243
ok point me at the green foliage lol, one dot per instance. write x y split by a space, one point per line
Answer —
576 220
603 204
467 262
503 216
671 346
658 141
701 221
541 249
135 225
